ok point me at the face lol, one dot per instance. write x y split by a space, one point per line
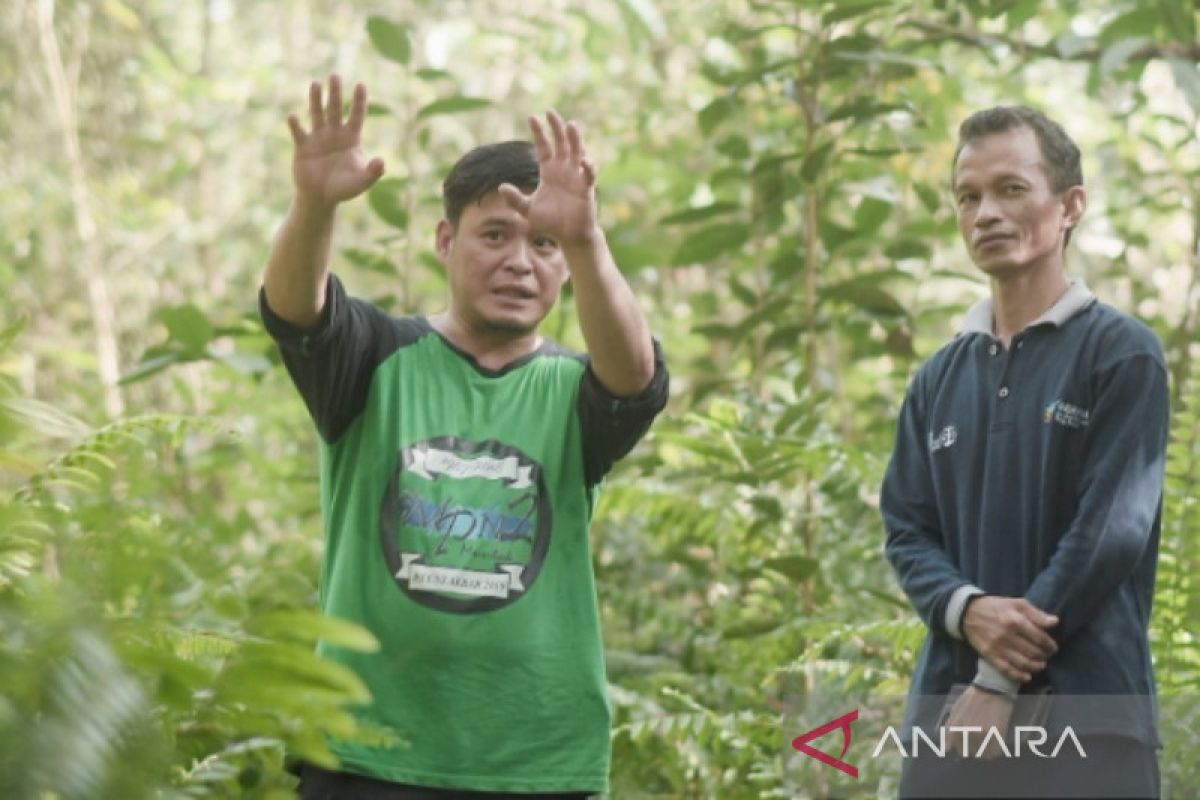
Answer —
1010 219
503 278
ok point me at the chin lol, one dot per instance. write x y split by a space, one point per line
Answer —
513 326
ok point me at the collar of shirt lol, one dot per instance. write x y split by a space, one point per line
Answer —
1077 297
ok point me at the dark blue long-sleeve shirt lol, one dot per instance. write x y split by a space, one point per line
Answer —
1036 471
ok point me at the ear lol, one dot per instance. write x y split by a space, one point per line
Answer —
444 241
1074 204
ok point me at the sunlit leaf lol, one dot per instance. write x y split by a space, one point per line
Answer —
453 105
390 39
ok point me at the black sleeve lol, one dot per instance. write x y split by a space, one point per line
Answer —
332 362
612 425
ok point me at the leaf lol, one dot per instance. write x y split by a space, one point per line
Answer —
796 567
44 418
1187 78
867 294
930 197
848 9
387 201
188 326
699 213
455 104
10 333
150 365
814 162
1118 53
706 244
908 248
310 626
122 14
870 215
390 39
715 113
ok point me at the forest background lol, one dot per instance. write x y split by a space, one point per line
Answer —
774 180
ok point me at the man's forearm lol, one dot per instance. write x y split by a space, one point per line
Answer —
616 332
298 264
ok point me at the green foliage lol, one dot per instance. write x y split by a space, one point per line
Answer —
773 179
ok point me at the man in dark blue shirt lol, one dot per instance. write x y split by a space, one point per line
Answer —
1023 499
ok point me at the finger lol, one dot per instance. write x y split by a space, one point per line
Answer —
315 111
540 143
1042 643
557 131
1037 616
589 171
358 108
298 134
375 167
517 200
333 112
574 142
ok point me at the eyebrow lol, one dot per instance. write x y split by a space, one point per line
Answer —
1004 176
488 222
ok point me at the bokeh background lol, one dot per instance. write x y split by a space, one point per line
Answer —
775 182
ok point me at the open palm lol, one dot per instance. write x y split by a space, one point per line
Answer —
328 165
563 205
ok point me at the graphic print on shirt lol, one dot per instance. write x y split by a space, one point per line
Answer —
1063 413
465 525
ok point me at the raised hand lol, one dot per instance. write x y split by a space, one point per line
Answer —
328 165
563 206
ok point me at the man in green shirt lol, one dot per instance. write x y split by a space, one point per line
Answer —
460 458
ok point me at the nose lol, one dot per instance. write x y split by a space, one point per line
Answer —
519 259
988 211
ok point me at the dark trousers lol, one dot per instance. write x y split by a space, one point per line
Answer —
1115 767
321 784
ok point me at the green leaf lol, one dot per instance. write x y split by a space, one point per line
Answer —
930 197
706 244
310 626
1187 78
386 199
1118 53
848 9
390 39
11 332
814 162
44 418
867 294
715 113
796 567
455 104
187 325
908 248
870 215
699 213
150 364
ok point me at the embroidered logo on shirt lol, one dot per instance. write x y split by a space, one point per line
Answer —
947 437
1063 413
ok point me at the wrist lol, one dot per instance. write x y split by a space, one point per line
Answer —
588 247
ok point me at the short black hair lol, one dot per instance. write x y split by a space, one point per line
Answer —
483 169
1060 154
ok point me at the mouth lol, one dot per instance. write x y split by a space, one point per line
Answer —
515 292
992 239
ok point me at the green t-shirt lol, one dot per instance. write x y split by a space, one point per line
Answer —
456 502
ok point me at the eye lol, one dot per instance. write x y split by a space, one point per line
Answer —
1013 189
493 235
545 244
966 197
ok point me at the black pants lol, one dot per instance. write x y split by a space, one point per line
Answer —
1115 767
321 784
